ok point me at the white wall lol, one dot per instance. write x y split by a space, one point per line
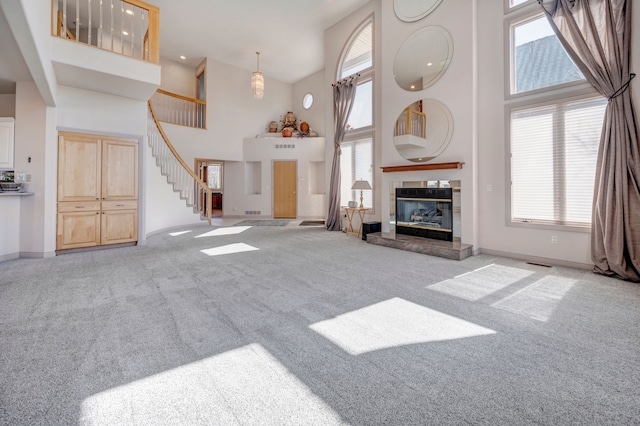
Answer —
310 202
85 111
454 89
178 78
573 248
7 105
313 84
10 227
164 208
35 139
232 115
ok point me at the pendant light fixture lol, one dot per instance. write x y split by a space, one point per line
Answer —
257 81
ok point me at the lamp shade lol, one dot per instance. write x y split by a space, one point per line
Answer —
257 80
361 184
257 84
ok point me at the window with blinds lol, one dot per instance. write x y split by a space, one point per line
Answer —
555 121
553 159
356 162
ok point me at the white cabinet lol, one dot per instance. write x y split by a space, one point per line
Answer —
7 125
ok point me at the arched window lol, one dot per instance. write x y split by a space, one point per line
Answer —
356 161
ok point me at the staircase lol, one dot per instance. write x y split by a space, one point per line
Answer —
183 180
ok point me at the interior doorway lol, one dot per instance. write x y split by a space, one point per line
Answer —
212 173
284 189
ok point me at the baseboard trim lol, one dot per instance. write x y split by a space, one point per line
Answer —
536 259
10 256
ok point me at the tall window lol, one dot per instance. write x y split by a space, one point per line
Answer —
356 161
555 121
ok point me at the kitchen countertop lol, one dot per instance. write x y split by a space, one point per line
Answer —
15 194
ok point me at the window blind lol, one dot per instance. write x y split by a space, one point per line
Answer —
356 162
553 157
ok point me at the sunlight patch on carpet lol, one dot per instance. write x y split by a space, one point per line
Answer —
175 234
481 282
242 386
538 300
391 323
231 230
229 249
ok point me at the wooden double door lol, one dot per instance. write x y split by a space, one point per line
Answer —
97 190
285 184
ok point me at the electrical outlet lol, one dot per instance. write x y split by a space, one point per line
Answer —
489 188
554 239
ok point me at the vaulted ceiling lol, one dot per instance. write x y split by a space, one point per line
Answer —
288 34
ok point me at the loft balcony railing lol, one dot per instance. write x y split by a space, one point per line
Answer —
127 27
181 110
411 122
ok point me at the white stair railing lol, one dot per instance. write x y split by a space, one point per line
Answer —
179 175
127 27
177 109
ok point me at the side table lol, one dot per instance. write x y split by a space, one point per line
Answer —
350 213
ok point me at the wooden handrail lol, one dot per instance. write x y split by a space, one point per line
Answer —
177 156
184 98
68 33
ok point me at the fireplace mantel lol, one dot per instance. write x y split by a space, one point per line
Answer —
415 167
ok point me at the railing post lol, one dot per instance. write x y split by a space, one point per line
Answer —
154 35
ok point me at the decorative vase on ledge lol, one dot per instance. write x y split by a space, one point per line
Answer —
287 132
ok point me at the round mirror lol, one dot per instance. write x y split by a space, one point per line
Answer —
414 10
423 58
423 130
307 101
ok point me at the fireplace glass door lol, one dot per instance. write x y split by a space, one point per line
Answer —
425 212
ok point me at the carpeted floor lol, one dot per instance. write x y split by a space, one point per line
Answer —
301 326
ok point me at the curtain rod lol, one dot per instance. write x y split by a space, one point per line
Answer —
344 80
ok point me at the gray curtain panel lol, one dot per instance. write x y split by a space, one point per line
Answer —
344 93
597 36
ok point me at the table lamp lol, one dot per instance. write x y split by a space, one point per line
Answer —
361 184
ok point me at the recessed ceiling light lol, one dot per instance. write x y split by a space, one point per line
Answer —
183 57
429 64
129 12
125 33
413 87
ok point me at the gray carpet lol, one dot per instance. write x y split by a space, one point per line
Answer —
301 326
266 222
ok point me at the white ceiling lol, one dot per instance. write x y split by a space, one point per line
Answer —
289 34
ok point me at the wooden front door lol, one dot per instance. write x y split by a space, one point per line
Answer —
284 189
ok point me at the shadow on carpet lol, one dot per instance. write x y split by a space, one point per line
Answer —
263 223
312 223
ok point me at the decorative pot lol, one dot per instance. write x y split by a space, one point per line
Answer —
273 127
304 127
290 118
287 132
